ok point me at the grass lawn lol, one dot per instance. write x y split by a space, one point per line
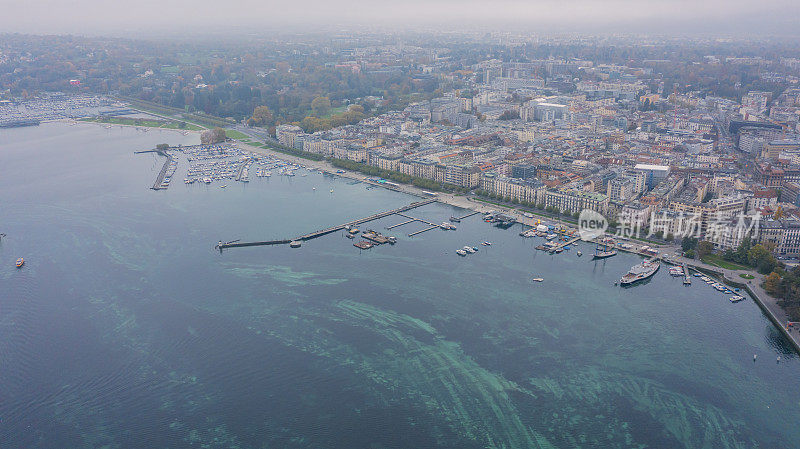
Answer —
233 134
717 261
746 276
187 126
333 111
149 123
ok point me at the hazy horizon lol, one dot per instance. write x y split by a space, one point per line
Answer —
669 17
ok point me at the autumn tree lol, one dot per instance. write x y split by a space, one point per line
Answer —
262 117
704 248
213 136
772 283
320 106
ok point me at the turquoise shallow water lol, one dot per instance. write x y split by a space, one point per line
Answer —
125 328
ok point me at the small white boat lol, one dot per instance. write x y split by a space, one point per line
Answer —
331 190
486 243
538 279
461 252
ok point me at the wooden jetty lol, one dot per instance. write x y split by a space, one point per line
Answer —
326 231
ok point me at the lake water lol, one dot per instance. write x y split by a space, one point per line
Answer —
125 329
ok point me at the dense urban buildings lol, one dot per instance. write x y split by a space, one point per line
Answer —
388 238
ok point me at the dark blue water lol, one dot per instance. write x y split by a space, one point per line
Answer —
125 329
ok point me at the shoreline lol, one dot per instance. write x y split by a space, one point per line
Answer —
768 304
446 198
112 125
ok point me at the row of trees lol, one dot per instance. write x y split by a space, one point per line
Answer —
757 256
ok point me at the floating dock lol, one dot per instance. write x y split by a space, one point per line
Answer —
363 244
563 244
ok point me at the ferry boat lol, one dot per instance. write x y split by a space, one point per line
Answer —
640 272
20 262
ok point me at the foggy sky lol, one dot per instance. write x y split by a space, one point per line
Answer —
136 18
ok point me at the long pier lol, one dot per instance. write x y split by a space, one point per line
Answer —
401 224
468 215
326 231
160 177
422 230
